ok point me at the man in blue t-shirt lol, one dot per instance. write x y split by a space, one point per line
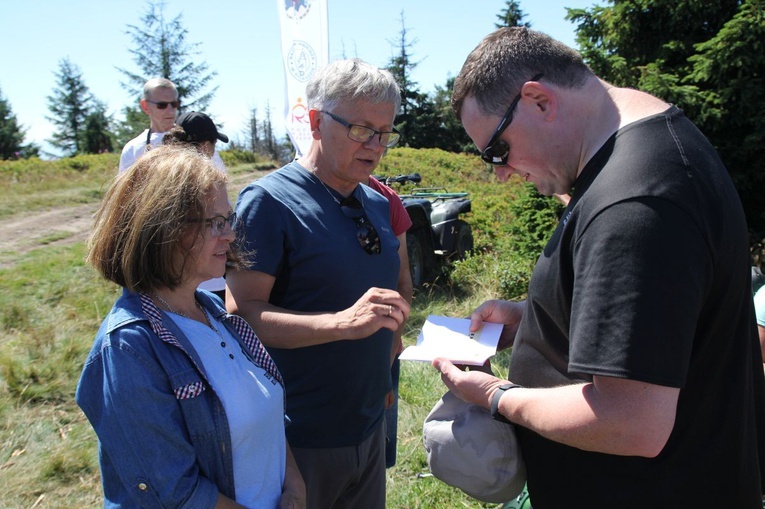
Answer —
321 289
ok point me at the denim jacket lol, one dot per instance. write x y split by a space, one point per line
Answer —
163 434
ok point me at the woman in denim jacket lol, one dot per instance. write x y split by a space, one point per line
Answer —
187 404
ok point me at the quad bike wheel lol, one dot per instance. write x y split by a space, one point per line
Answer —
463 243
416 258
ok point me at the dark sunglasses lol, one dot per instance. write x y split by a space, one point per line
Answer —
161 105
366 233
497 151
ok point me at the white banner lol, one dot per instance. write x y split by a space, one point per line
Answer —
305 48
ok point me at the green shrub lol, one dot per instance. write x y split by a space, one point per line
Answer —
534 219
504 276
513 277
233 157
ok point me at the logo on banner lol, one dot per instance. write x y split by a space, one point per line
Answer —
301 61
299 113
296 9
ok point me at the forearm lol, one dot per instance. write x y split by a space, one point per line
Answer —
224 502
249 294
585 417
405 289
282 328
406 292
293 492
398 343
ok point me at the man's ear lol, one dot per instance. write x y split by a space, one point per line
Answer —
314 117
144 106
543 97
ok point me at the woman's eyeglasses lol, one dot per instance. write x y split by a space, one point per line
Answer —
498 151
363 134
368 238
161 105
218 224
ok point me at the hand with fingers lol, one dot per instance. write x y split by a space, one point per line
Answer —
474 386
499 311
377 308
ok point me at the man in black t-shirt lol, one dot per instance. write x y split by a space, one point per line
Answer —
636 376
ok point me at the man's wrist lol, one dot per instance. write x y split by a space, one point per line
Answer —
501 390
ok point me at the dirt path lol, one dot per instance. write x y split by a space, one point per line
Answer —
63 226
57 227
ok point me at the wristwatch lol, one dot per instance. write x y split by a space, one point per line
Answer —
495 402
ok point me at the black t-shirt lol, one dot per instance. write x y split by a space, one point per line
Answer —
647 278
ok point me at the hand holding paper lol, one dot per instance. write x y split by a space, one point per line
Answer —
450 338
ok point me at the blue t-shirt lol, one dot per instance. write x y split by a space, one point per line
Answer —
297 233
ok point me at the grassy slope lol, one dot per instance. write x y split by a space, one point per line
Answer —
51 306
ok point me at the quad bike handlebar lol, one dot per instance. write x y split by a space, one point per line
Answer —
432 193
399 179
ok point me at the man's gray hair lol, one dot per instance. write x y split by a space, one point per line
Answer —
155 83
351 80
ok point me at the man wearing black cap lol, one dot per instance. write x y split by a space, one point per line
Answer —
199 130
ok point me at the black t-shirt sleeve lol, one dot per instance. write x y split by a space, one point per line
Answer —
637 295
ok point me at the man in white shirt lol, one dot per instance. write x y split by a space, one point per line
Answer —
160 102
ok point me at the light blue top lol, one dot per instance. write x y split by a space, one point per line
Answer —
759 306
253 402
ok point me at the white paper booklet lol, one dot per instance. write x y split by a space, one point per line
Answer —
450 338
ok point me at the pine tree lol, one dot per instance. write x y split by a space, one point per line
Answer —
252 132
161 50
511 16
69 106
417 119
96 136
132 123
11 132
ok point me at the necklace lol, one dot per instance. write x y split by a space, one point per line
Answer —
326 188
216 329
208 320
170 308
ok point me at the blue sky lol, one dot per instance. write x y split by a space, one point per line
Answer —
240 40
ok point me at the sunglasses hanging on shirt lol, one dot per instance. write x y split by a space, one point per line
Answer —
368 238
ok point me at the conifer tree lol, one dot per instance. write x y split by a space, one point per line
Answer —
161 49
11 132
69 106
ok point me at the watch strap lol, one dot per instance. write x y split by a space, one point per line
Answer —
495 402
